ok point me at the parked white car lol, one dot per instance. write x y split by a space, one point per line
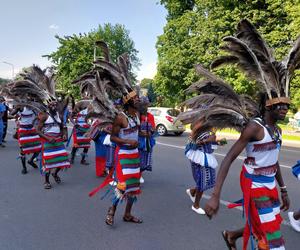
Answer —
164 120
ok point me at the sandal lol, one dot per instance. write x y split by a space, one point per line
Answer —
231 246
56 178
110 217
132 219
47 185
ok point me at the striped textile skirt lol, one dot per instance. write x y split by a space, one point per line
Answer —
205 177
128 172
262 210
79 140
54 155
29 140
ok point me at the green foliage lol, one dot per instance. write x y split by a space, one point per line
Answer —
177 8
194 35
74 55
145 83
151 94
3 81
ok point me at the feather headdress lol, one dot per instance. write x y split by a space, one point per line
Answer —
253 56
105 82
217 105
36 89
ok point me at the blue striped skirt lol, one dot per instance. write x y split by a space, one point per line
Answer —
205 177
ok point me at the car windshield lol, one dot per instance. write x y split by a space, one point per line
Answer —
173 112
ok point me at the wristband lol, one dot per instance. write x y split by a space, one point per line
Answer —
284 187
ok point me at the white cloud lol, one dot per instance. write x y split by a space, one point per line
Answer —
53 27
147 71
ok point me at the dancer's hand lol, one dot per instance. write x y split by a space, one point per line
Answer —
285 201
212 206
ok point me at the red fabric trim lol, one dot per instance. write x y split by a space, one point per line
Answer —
107 180
272 226
67 166
250 208
129 156
51 156
100 165
258 192
31 151
28 140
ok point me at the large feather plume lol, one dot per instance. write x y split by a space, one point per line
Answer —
106 81
217 104
254 57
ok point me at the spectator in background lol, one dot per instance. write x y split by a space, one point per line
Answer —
4 118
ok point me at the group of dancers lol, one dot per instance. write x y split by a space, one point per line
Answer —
116 118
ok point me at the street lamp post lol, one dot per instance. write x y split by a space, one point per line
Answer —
13 68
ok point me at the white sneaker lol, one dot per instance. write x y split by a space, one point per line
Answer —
113 183
294 223
142 180
198 210
188 192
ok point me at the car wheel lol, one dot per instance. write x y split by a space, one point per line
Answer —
161 129
178 133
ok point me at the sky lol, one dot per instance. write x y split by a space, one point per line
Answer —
28 28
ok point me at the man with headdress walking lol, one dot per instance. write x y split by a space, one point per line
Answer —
28 138
54 154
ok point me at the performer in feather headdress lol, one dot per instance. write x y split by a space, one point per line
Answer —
113 79
81 126
260 135
37 91
25 92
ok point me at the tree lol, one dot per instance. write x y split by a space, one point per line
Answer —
74 55
3 81
177 8
145 83
151 94
194 35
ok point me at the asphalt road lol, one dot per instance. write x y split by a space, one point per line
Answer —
64 217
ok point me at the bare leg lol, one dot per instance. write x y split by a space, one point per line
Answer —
231 237
197 198
111 213
193 191
55 176
128 217
73 154
30 162
297 215
47 184
83 161
23 161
